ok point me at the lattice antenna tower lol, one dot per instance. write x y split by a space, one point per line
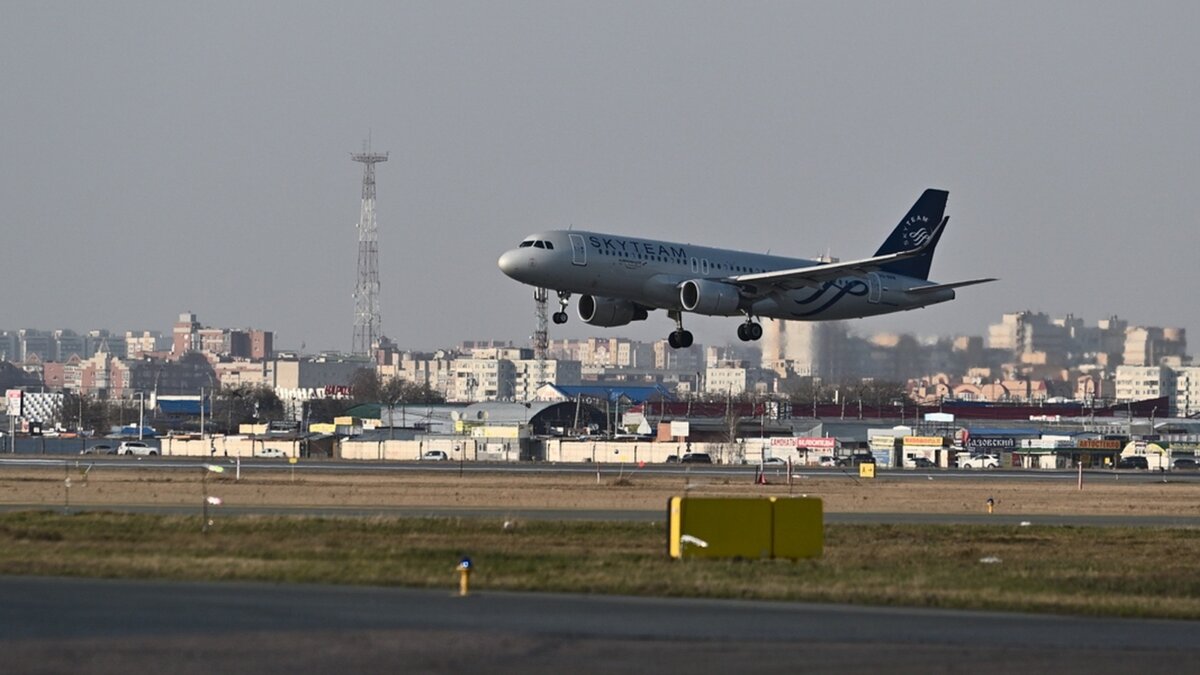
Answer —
541 337
367 320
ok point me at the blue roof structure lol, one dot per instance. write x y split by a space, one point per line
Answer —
182 406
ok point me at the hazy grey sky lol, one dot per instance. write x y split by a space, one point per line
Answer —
169 157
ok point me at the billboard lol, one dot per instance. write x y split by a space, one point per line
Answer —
15 400
977 443
680 428
923 442
810 442
1099 444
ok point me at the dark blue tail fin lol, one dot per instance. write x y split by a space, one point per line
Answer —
918 226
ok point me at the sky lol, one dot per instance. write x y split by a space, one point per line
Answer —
161 158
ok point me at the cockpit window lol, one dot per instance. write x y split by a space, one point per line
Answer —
526 244
549 246
539 244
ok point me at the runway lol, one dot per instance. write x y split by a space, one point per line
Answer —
620 515
59 625
100 463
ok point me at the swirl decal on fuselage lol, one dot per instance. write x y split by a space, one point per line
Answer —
853 287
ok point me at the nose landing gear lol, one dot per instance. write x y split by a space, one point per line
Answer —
560 316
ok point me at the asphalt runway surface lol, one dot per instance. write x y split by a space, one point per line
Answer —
100 463
51 625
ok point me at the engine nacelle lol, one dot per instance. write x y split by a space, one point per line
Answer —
608 312
714 298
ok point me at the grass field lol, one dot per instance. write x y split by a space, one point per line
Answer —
1144 572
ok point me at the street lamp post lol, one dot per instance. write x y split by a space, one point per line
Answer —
141 413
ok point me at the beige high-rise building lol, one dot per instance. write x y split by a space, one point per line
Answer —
806 348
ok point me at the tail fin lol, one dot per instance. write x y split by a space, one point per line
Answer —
919 225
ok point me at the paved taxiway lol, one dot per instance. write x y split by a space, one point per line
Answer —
61 625
99 463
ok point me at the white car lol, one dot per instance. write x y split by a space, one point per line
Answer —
136 448
271 453
435 456
980 462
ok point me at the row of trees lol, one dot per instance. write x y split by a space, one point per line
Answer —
231 407
227 409
809 390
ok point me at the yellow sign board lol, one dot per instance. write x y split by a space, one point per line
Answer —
866 470
292 460
923 441
707 527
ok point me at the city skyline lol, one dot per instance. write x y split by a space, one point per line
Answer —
172 158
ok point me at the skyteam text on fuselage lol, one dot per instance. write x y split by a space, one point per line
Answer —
622 279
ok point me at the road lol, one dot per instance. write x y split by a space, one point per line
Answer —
61 625
588 468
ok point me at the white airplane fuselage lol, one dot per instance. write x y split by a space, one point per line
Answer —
652 273
621 279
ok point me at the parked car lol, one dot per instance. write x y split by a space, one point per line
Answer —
826 460
136 448
99 449
271 453
856 460
672 459
1133 462
923 463
774 461
1185 464
696 458
435 456
979 462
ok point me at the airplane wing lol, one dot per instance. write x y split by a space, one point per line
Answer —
937 287
815 274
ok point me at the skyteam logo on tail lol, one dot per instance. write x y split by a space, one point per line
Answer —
918 236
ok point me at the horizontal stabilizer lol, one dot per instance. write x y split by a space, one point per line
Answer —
919 290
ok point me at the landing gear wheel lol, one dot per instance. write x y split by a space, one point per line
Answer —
680 339
749 331
559 317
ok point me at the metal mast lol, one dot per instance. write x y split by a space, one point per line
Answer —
367 321
540 338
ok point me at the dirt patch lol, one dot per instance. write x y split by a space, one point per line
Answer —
618 491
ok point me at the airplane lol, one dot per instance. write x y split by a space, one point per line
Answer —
622 279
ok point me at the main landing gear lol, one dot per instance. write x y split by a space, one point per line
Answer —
680 338
749 331
561 315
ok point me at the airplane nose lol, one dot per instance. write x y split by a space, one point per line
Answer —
510 262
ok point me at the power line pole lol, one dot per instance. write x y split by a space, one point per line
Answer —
367 320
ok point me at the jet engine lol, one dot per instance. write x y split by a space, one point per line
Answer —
704 296
608 312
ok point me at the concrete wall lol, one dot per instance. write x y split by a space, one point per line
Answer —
225 446
641 451
472 449
411 450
